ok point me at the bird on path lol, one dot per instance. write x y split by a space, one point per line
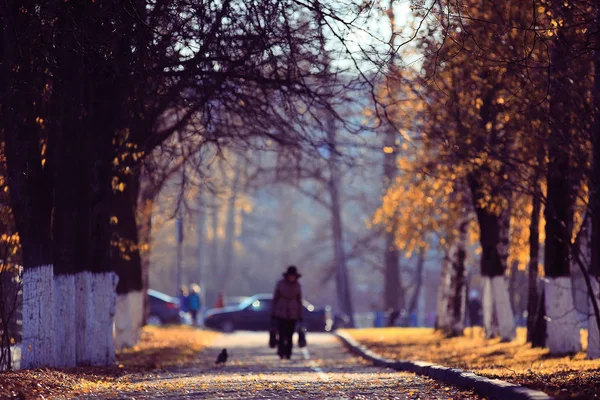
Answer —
222 357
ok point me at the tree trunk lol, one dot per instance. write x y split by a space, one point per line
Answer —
144 223
212 288
103 279
70 216
96 283
581 261
66 263
414 299
343 281
563 329
540 325
22 82
228 248
512 285
593 350
200 246
179 252
88 85
457 300
127 262
442 319
493 233
97 94
393 295
533 299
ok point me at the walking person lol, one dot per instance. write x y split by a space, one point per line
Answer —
194 303
220 300
184 299
287 309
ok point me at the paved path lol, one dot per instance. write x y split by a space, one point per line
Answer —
325 371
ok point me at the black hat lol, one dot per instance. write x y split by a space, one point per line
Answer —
292 270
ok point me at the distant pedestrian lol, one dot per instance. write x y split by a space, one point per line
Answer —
184 299
194 303
287 309
220 300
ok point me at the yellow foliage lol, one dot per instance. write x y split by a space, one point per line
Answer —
422 203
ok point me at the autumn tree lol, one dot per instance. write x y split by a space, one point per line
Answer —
393 295
567 156
500 80
487 105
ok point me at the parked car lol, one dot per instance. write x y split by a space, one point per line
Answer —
235 300
254 314
165 309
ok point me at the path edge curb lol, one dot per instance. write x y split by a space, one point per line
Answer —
494 389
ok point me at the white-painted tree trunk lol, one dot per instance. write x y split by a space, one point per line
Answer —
84 317
64 298
38 345
103 297
507 329
421 308
123 332
458 325
137 312
458 283
15 352
593 350
129 315
496 300
443 318
563 327
487 306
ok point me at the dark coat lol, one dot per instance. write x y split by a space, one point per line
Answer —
287 300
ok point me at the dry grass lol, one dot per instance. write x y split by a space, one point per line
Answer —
565 377
159 349
166 347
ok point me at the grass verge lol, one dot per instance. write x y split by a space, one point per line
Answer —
159 349
565 377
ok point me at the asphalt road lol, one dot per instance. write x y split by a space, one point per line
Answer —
324 370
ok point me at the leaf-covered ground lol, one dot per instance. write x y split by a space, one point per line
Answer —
324 371
158 350
566 377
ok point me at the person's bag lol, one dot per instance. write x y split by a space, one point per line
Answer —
301 337
273 334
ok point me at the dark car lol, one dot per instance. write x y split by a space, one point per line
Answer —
164 309
254 314
235 300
